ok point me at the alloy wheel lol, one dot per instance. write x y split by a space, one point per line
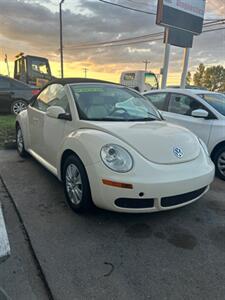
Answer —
19 139
74 184
221 163
18 106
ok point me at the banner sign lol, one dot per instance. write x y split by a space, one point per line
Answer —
186 15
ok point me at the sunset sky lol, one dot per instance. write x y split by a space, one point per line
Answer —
32 27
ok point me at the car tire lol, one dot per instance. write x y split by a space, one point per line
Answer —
17 106
76 185
20 142
219 161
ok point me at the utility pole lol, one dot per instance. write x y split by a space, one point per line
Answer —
85 72
61 37
146 62
7 64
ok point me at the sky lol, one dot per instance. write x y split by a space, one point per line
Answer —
32 27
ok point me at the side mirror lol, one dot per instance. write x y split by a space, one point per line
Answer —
200 113
55 112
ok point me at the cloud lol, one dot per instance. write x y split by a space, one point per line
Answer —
33 27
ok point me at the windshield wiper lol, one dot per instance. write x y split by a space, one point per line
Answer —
106 119
142 119
155 117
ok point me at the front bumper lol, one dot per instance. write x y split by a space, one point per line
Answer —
158 183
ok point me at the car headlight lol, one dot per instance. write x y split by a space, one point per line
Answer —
204 146
116 158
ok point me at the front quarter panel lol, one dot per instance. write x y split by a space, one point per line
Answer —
86 144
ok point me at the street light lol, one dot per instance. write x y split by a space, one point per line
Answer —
61 37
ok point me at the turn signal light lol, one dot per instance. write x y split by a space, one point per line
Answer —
117 184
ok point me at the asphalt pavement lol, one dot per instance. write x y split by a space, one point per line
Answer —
178 254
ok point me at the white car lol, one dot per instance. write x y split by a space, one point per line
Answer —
115 157
200 111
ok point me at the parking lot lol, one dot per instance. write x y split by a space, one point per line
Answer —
177 254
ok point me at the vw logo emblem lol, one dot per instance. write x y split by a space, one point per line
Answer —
178 152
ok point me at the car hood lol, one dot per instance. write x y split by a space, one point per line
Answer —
157 141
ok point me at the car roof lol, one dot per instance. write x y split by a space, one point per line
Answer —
184 91
65 81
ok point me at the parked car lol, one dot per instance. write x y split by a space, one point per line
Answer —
14 95
202 112
141 81
121 158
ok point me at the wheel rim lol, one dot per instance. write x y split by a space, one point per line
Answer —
74 184
221 163
19 139
18 107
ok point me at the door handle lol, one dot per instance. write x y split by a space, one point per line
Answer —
35 119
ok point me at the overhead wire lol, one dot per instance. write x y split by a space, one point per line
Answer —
128 7
135 40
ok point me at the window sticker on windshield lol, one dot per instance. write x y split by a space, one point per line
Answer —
89 90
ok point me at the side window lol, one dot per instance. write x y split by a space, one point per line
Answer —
53 95
60 99
183 105
159 100
129 76
42 100
4 84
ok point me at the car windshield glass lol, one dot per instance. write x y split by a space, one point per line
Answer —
217 101
102 102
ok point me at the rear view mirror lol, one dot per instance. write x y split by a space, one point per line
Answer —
200 113
55 112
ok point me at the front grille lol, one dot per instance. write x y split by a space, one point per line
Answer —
134 203
180 199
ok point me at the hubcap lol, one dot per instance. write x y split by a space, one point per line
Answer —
221 163
74 185
19 140
18 107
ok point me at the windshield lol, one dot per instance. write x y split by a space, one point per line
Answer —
216 100
39 67
101 102
151 80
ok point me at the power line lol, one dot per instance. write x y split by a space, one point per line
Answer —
128 41
135 9
128 7
133 42
118 41
138 3
216 29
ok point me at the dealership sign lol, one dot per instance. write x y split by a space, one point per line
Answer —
186 15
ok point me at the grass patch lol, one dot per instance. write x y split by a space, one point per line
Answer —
7 128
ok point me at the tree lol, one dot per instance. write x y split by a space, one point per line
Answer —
212 78
199 75
188 78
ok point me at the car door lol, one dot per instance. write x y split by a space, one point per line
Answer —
179 111
54 130
5 95
36 116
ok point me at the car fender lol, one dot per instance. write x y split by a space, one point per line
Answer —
215 145
86 144
22 120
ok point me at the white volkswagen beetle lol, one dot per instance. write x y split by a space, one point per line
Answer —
110 147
